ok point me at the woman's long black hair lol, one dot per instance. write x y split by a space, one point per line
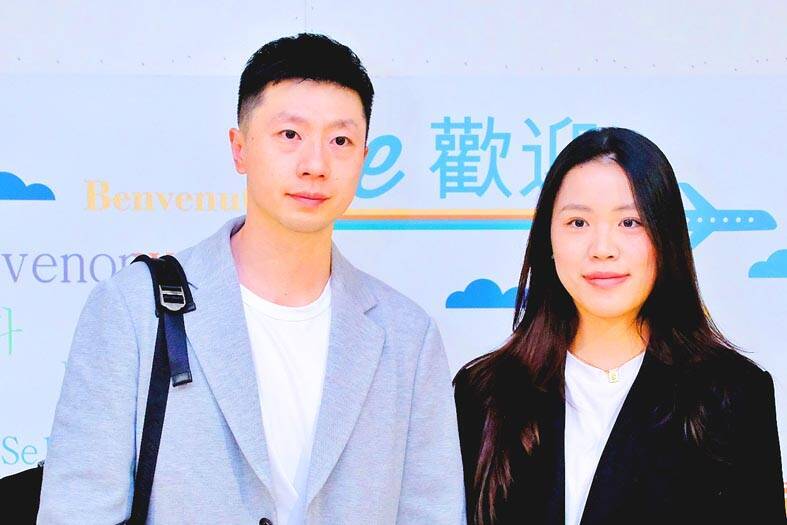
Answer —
681 334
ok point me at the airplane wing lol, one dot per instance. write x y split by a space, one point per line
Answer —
699 234
697 200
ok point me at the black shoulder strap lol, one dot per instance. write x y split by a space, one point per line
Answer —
170 363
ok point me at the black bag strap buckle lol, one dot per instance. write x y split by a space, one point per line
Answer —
170 287
173 298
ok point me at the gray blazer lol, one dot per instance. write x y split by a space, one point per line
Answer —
386 447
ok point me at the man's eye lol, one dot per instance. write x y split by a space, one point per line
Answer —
290 134
341 141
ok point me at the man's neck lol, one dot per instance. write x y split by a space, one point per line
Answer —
285 267
608 343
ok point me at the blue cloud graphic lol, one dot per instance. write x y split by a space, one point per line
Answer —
774 267
482 293
12 188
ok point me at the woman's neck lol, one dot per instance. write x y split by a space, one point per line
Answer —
608 343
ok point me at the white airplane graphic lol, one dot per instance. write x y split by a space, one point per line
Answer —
705 219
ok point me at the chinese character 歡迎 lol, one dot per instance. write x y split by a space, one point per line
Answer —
460 145
535 149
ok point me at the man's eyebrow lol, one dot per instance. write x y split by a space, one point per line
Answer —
286 116
344 123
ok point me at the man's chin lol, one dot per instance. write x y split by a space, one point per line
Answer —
309 226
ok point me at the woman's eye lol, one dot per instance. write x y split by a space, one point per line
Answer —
630 223
577 223
341 141
290 134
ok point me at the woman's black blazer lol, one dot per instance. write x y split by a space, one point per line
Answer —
649 473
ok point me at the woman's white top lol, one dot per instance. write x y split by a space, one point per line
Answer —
289 347
593 401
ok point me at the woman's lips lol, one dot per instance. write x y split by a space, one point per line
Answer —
605 279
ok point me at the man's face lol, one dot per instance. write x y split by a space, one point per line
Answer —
302 149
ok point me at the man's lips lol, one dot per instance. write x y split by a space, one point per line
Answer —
605 279
309 199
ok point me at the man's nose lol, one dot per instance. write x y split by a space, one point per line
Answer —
314 160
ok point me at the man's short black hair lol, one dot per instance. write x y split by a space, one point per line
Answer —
307 56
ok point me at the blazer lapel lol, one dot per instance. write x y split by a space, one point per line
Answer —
355 345
618 466
555 459
219 337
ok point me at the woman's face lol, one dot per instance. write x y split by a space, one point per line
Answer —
603 254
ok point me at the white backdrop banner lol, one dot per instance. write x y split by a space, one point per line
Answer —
96 168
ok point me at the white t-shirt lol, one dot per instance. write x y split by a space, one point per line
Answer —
593 401
289 347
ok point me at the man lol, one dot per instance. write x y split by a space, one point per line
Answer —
319 394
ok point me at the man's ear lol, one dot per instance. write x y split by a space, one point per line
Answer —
238 145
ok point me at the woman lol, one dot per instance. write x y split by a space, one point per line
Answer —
616 399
